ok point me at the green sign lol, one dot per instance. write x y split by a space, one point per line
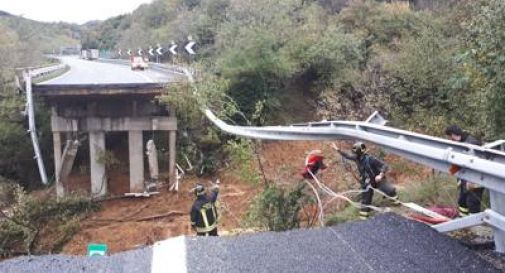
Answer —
97 250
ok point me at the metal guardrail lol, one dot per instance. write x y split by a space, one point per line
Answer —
28 74
43 71
481 165
32 129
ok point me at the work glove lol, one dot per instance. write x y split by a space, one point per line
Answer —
367 183
215 185
379 178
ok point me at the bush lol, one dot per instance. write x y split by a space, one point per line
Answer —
436 190
486 57
242 160
378 22
278 209
203 145
28 217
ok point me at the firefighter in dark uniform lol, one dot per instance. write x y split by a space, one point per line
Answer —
470 194
372 173
204 213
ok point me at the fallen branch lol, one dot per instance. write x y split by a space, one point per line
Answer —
141 219
154 217
232 194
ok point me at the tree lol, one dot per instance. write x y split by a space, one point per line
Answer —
485 55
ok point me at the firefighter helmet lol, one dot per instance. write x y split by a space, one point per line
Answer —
199 189
359 148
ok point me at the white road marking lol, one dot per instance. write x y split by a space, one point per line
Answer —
169 256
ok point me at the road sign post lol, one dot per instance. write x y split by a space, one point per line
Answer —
173 51
159 52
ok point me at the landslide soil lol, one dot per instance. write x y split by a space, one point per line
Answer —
117 225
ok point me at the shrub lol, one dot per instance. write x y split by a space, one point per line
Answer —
438 189
29 216
242 159
278 209
378 22
486 56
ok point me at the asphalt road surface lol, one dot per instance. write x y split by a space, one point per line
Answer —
386 243
93 72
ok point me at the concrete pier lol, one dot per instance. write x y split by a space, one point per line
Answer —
171 157
60 189
135 148
97 166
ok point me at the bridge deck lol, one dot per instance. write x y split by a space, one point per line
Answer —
58 90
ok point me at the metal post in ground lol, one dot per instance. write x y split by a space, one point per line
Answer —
498 205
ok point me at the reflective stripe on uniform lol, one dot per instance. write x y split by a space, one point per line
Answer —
214 213
206 229
204 217
395 199
363 215
463 209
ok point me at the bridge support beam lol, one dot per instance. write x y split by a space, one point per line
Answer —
136 161
97 164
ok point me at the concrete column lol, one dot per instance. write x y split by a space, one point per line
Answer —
60 189
98 175
498 205
171 156
136 161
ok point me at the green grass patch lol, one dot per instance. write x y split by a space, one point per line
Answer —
348 214
438 189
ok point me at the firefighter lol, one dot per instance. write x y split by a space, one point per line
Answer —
372 173
470 194
313 163
204 213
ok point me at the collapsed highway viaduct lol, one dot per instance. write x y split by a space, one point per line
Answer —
96 109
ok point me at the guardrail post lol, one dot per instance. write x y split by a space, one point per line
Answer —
498 205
